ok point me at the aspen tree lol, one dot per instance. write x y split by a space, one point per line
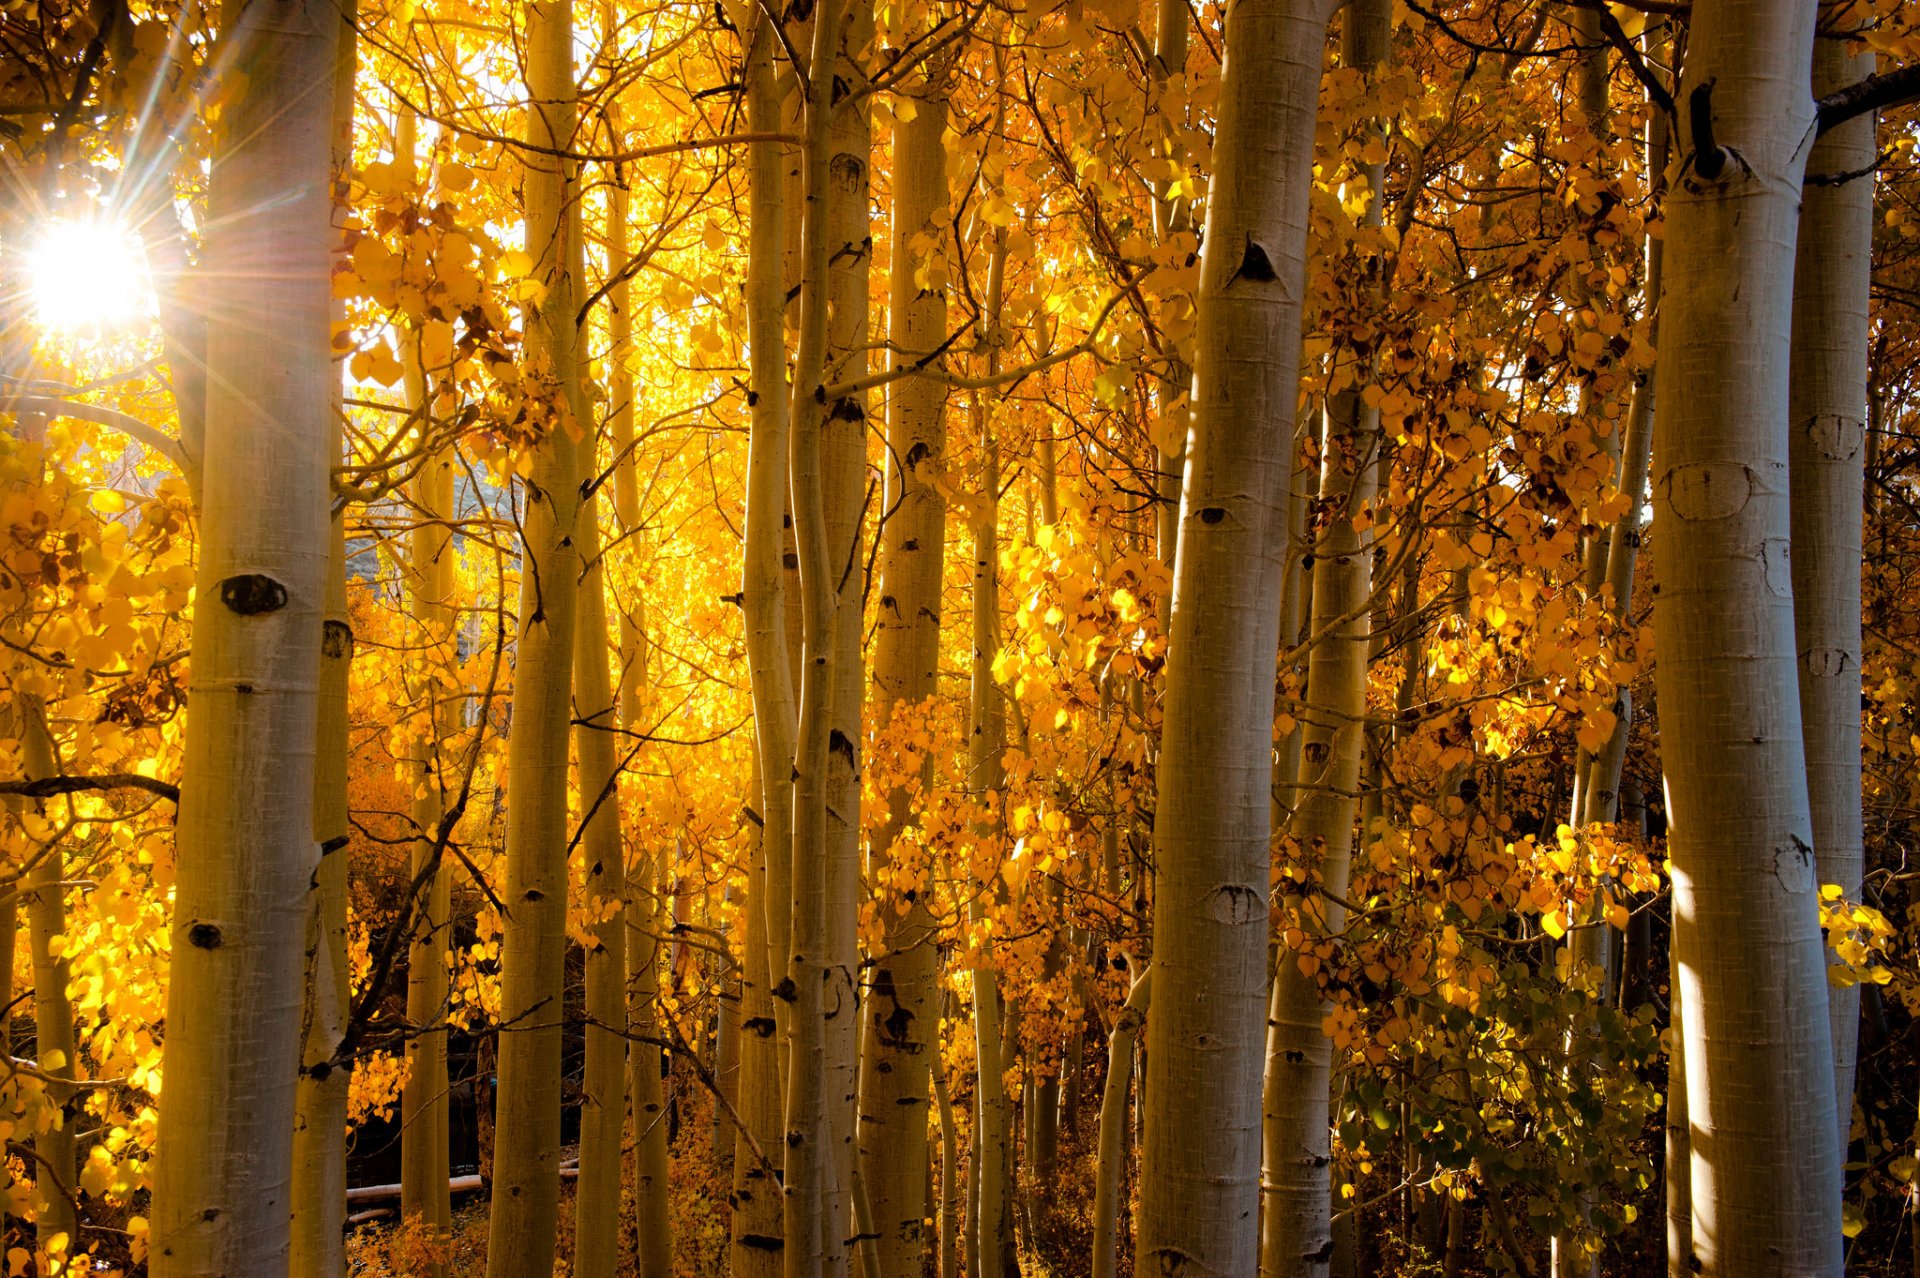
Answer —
814 1222
756 1228
43 894
245 851
1110 1166
1171 217
526 1159
989 1220
603 1111
845 494
902 1021
646 1099
320 1114
1751 976
1827 409
424 1134
1200 1156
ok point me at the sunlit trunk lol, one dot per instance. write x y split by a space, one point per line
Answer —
1746 934
1200 1155
526 1149
902 1018
244 848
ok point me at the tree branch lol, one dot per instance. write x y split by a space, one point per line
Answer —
50 787
1875 93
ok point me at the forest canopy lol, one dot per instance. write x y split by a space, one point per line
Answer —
959 637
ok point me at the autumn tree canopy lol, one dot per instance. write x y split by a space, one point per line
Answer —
964 638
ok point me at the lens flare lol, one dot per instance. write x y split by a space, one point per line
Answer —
89 275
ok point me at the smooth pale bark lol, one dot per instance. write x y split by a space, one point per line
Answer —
526 1146
844 487
603 1102
950 1180
1171 216
320 1108
1296 1234
1200 1156
425 1133
1679 1153
1826 448
1752 977
756 1221
990 1224
646 1094
45 899
902 1022
1110 1167
1296 1223
813 1221
245 852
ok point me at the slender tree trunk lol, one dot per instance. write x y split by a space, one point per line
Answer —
424 1135
320 1107
1827 417
526 1151
990 1224
56 1227
1171 217
603 1106
222 1193
950 1180
1752 970
1110 1167
814 1223
1200 1158
645 1098
845 492
756 1227
902 1020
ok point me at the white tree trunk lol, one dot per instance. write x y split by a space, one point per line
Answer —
902 1018
245 847
526 1148
1200 1160
1827 418
1752 973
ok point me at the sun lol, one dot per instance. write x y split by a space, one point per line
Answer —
89 275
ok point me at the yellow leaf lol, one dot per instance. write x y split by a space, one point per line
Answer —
1553 925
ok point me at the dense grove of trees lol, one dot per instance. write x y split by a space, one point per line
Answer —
958 637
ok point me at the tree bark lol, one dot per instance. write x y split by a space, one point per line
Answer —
1826 451
320 1107
1200 1158
902 1021
1110 1167
221 1178
526 1150
1752 972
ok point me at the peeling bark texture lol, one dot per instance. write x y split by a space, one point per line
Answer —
1751 976
245 847
526 1150
1200 1158
1826 449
